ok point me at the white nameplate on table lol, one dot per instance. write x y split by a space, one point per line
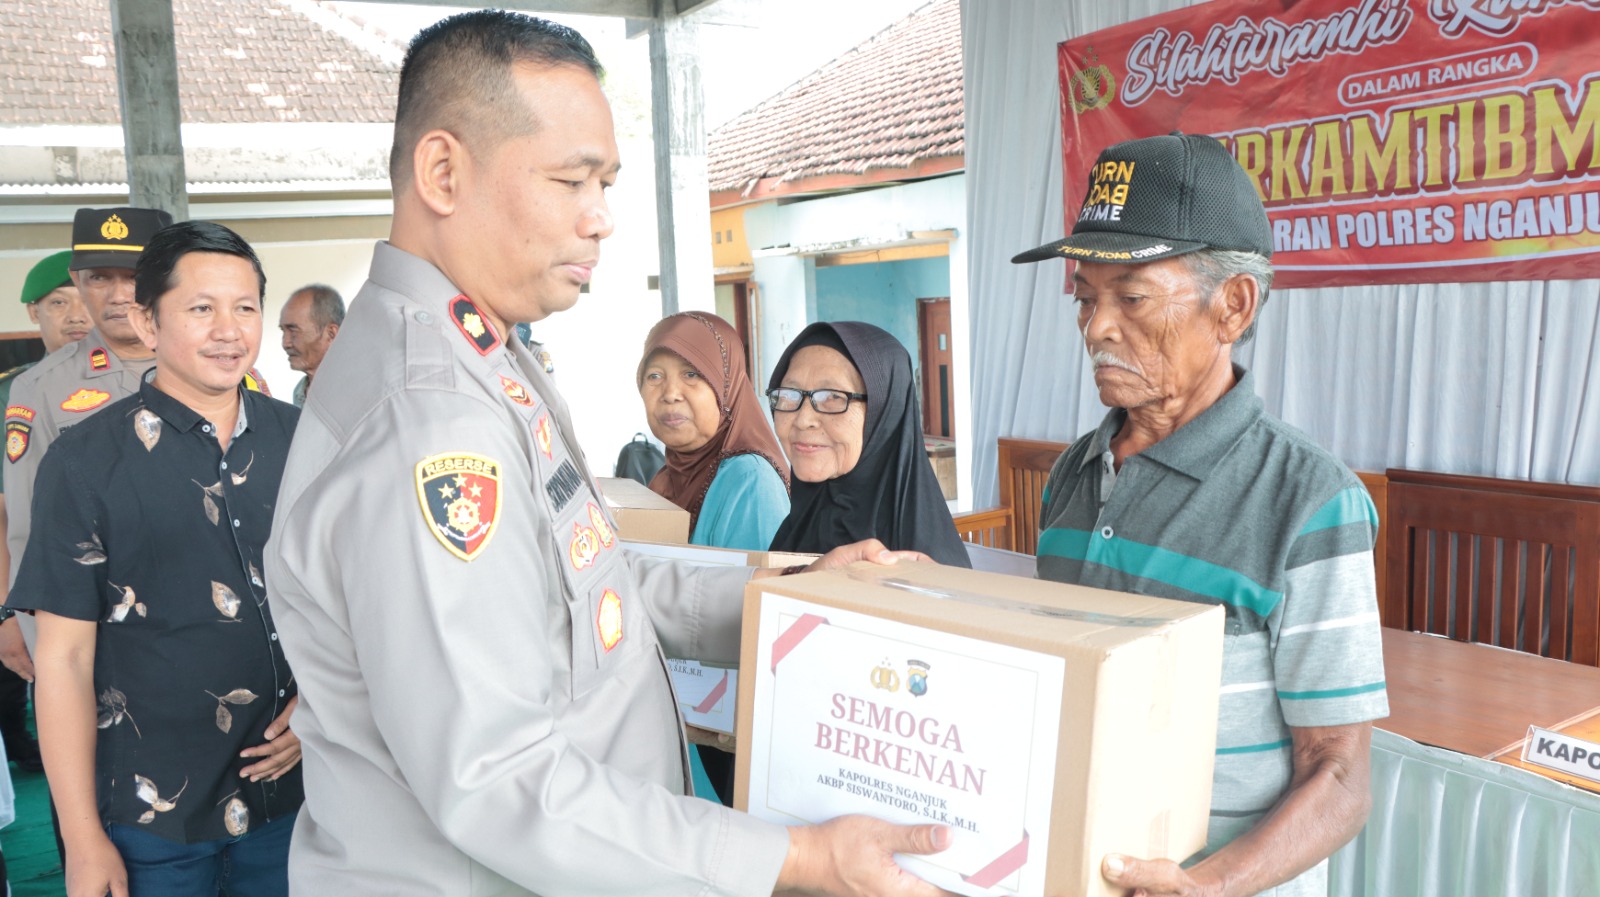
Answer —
860 714
1562 753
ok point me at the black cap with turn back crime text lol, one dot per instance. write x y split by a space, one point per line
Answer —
1160 197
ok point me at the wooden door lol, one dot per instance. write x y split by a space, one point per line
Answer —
933 338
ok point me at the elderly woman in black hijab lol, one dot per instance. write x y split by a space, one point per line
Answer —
844 405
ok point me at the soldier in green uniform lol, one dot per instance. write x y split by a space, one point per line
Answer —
53 304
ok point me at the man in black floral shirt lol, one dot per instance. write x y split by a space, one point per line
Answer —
163 695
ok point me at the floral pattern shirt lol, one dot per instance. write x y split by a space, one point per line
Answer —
144 524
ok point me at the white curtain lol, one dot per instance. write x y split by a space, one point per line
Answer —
1491 379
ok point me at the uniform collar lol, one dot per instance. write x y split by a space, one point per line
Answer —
1199 445
180 416
417 279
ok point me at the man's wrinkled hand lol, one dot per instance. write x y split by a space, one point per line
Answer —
1151 878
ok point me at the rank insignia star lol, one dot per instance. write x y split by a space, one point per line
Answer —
85 399
515 391
473 325
460 497
609 620
99 360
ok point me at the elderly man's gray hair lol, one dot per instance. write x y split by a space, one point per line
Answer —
327 306
1210 268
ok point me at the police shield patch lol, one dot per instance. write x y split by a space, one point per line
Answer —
460 495
17 434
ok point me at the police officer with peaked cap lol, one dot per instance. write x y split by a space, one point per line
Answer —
82 377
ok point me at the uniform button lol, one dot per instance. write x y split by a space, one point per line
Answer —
273 636
282 692
424 318
206 428
224 465
236 521
1106 532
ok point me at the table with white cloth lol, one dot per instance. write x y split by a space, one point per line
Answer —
1451 815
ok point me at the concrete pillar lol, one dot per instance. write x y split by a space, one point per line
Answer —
683 195
147 78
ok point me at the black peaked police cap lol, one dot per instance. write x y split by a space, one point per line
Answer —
1160 197
113 238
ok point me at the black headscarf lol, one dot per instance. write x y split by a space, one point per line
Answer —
891 494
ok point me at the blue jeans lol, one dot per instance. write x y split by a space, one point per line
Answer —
255 864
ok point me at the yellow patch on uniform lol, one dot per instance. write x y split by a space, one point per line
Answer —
515 391
602 528
542 433
460 496
99 360
85 399
609 619
19 412
585 546
254 382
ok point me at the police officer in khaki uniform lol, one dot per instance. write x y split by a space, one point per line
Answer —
485 707
85 376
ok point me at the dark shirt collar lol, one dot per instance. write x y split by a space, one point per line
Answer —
1195 448
180 416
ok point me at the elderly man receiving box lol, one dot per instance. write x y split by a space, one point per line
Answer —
309 321
1190 490
485 705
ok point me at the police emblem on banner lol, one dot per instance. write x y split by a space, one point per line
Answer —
460 495
17 434
609 619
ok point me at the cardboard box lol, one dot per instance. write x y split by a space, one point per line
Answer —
1047 724
642 515
707 696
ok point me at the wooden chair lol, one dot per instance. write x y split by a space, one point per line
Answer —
1505 562
990 527
1024 467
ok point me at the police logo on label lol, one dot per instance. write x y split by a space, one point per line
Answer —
85 400
609 620
17 434
460 496
917 677
884 677
473 325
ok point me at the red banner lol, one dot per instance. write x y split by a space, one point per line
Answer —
1392 141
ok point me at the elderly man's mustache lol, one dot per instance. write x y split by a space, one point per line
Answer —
1104 358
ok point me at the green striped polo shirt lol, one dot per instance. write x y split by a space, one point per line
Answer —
1237 508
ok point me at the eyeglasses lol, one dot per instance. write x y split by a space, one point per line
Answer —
825 401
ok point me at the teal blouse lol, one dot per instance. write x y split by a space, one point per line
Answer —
743 507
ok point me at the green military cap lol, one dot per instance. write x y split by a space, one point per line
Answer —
47 277
113 238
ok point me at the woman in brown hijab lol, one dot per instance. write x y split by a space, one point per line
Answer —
723 463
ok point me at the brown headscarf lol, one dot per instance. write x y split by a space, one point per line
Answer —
711 346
